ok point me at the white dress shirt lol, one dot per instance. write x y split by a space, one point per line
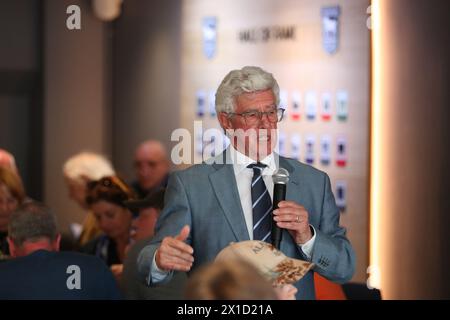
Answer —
244 177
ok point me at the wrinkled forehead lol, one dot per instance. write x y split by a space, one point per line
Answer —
255 100
150 152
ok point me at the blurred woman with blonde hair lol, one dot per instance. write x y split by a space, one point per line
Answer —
12 194
79 170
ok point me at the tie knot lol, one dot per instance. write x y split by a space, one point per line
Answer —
257 167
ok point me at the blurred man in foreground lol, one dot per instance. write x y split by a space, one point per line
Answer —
39 271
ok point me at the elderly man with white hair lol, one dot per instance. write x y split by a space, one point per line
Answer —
229 198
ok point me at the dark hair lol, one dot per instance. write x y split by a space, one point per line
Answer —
30 222
158 199
154 199
110 189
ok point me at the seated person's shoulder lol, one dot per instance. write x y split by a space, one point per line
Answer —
91 246
50 260
136 248
79 258
194 172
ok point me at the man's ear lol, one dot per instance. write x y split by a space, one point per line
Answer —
12 247
225 120
57 242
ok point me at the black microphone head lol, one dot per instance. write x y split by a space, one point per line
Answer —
281 176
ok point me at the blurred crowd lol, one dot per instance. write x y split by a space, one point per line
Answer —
119 220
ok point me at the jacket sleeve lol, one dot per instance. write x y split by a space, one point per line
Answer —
332 254
175 215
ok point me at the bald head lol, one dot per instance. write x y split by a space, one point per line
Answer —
151 164
152 146
7 161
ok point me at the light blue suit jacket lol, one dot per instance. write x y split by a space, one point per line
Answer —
206 197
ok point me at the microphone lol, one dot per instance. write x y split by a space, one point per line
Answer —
280 179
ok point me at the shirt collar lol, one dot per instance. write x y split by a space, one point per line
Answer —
241 161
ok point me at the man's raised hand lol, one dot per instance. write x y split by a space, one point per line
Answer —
174 253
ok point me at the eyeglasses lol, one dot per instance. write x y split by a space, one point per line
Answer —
254 117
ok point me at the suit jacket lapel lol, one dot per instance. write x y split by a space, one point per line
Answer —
224 184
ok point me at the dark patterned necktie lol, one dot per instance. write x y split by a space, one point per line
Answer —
261 204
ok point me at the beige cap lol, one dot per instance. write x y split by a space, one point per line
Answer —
272 263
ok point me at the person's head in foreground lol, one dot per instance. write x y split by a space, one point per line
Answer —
249 270
247 106
38 271
32 227
229 280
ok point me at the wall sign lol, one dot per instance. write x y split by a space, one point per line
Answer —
341 194
266 34
201 102
296 105
326 107
342 105
330 28
295 146
325 150
311 105
309 156
209 29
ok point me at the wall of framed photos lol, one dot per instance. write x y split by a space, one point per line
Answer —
319 51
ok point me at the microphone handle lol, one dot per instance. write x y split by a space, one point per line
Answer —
279 194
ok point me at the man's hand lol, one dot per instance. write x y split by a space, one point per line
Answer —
174 254
294 218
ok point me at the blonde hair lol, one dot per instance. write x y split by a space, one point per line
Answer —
229 280
87 165
7 161
13 183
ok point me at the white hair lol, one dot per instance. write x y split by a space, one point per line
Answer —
87 165
237 82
